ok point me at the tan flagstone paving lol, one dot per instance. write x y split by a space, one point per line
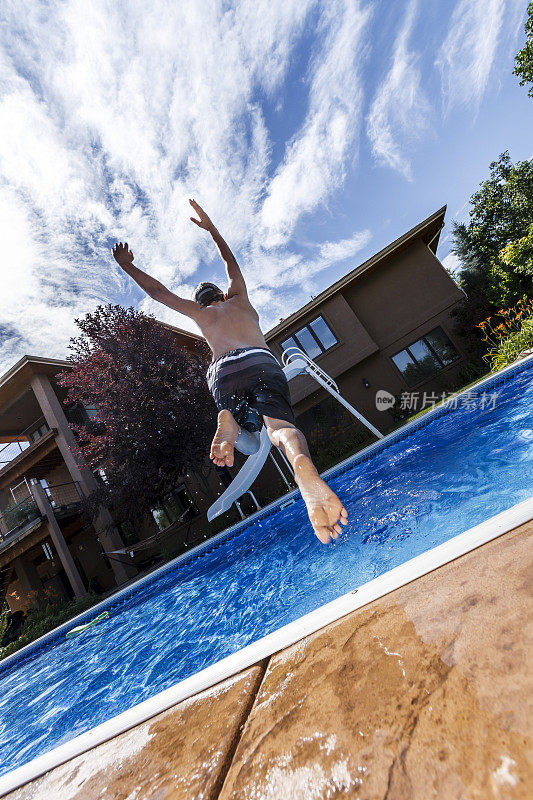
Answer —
180 754
425 693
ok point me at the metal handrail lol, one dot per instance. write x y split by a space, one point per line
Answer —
17 440
15 515
295 354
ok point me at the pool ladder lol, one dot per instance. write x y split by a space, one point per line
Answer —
292 355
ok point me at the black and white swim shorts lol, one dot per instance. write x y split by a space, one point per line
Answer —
250 383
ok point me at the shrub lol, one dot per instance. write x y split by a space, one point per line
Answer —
41 620
508 334
18 514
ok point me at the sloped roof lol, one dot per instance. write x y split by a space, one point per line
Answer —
428 230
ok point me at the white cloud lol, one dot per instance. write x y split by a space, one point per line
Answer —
466 56
295 274
112 116
344 248
453 264
315 159
399 110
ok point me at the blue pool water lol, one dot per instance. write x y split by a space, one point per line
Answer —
428 484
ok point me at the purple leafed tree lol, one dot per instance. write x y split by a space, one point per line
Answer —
155 416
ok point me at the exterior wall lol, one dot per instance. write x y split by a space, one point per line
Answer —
398 295
381 372
87 553
355 343
58 476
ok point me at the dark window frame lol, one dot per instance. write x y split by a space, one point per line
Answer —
434 353
164 509
39 432
307 327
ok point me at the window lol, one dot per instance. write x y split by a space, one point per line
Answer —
90 410
425 357
176 506
36 434
48 551
314 339
441 345
100 473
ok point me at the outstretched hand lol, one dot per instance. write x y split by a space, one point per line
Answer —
204 221
121 254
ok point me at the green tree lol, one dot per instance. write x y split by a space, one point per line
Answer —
515 260
500 215
524 58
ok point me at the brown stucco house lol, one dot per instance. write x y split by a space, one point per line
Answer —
386 325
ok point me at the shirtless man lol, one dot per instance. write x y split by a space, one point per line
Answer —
245 378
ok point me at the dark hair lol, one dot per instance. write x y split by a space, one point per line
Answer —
206 292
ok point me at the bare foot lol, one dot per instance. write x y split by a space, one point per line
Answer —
323 506
224 439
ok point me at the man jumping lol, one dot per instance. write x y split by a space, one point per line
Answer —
245 378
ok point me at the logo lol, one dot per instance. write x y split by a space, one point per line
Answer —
384 400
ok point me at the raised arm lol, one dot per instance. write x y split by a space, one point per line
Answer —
237 284
124 258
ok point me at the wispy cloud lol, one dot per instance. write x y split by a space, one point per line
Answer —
333 252
112 116
467 54
399 111
300 270
315 159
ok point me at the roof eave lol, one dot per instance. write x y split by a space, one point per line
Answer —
28 361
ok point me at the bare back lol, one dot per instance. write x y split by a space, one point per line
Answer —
229 325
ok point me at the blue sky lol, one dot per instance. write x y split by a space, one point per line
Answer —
313 133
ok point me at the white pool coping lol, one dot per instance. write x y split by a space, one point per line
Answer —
273 643
278 640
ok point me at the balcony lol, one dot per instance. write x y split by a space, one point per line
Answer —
20 519
65 499
35 444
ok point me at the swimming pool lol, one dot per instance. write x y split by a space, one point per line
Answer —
415 490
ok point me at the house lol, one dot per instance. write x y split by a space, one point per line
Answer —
387 326
48 549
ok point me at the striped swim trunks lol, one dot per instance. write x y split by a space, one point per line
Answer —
249 382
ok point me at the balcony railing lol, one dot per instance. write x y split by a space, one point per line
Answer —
65 499
17 517
17 445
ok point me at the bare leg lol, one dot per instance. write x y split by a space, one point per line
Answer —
224 439
323 506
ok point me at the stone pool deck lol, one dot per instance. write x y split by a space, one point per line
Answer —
424 693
